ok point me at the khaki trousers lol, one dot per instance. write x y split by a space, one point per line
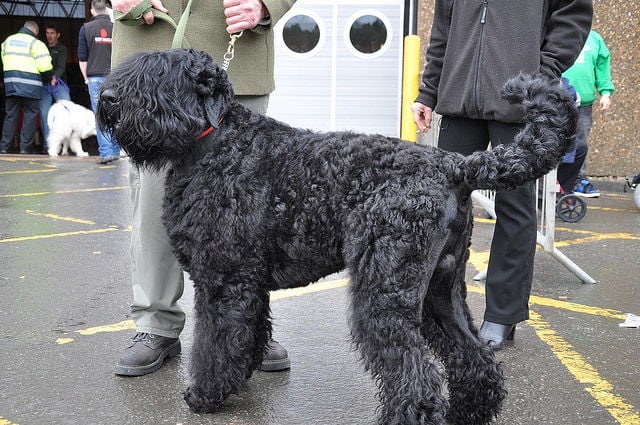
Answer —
156 276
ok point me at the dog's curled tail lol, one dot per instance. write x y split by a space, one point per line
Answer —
551 118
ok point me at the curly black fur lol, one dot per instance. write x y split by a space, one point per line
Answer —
258 205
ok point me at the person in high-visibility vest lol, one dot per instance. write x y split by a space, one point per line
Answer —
26 62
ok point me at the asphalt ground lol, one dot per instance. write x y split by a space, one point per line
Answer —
64 319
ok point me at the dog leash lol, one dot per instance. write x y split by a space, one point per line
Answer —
134 17
230 53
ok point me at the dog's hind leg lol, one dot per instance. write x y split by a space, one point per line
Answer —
388 286
75 143
476 383
231 333
53 143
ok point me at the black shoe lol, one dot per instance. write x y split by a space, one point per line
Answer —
276 359
146 354
495 334
4 151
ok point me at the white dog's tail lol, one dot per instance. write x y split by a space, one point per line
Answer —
550 124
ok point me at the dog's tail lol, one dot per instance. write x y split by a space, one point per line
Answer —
551 117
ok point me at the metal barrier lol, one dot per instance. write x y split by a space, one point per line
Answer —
547 214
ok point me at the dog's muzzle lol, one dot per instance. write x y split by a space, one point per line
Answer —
110 107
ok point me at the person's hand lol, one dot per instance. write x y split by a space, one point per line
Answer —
54 81
605 102
243 14
422 116
125 6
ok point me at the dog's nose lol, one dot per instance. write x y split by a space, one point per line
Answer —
108 97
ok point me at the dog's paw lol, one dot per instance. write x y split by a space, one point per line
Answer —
82 154
200 402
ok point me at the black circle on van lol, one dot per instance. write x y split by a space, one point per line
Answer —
301 33
368 34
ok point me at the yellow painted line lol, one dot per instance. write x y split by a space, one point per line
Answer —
591 207
25 172
478 259
115 327
564 305
599 388
58 235
57 217
310 289
4 421
62 192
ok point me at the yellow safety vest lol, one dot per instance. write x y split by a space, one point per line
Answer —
24 58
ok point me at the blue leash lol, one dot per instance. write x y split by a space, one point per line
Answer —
53 90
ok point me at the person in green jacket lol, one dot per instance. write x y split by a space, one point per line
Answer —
591 76
157 278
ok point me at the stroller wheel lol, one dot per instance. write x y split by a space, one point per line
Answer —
571 208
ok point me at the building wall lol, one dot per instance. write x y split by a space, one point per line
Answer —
614 141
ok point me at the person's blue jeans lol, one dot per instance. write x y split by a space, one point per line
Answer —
106 146
45 104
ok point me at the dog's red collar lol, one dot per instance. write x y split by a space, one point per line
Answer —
204 133
208 130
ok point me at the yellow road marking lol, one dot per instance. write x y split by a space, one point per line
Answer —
62 192
26 172
310 289
564 305
583 372
115 327
591 207
57 217
4 421
58 235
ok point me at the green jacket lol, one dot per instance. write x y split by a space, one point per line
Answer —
251 70
592 70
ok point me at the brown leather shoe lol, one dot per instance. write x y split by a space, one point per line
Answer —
276 359
146 354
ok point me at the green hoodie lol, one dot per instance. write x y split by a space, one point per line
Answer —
591 71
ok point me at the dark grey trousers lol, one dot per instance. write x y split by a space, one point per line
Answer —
13 106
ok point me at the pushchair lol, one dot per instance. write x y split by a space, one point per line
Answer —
569 207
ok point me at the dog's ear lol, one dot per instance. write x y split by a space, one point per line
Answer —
213 86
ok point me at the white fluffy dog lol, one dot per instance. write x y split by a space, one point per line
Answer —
69 123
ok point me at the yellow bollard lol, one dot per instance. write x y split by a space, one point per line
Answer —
410 82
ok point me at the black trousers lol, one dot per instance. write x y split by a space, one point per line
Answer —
510 271
30 108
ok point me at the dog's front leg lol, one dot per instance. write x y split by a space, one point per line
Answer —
231 333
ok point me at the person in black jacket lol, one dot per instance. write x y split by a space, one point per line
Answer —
94 59
475 47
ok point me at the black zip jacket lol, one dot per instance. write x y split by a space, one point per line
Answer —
477 45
